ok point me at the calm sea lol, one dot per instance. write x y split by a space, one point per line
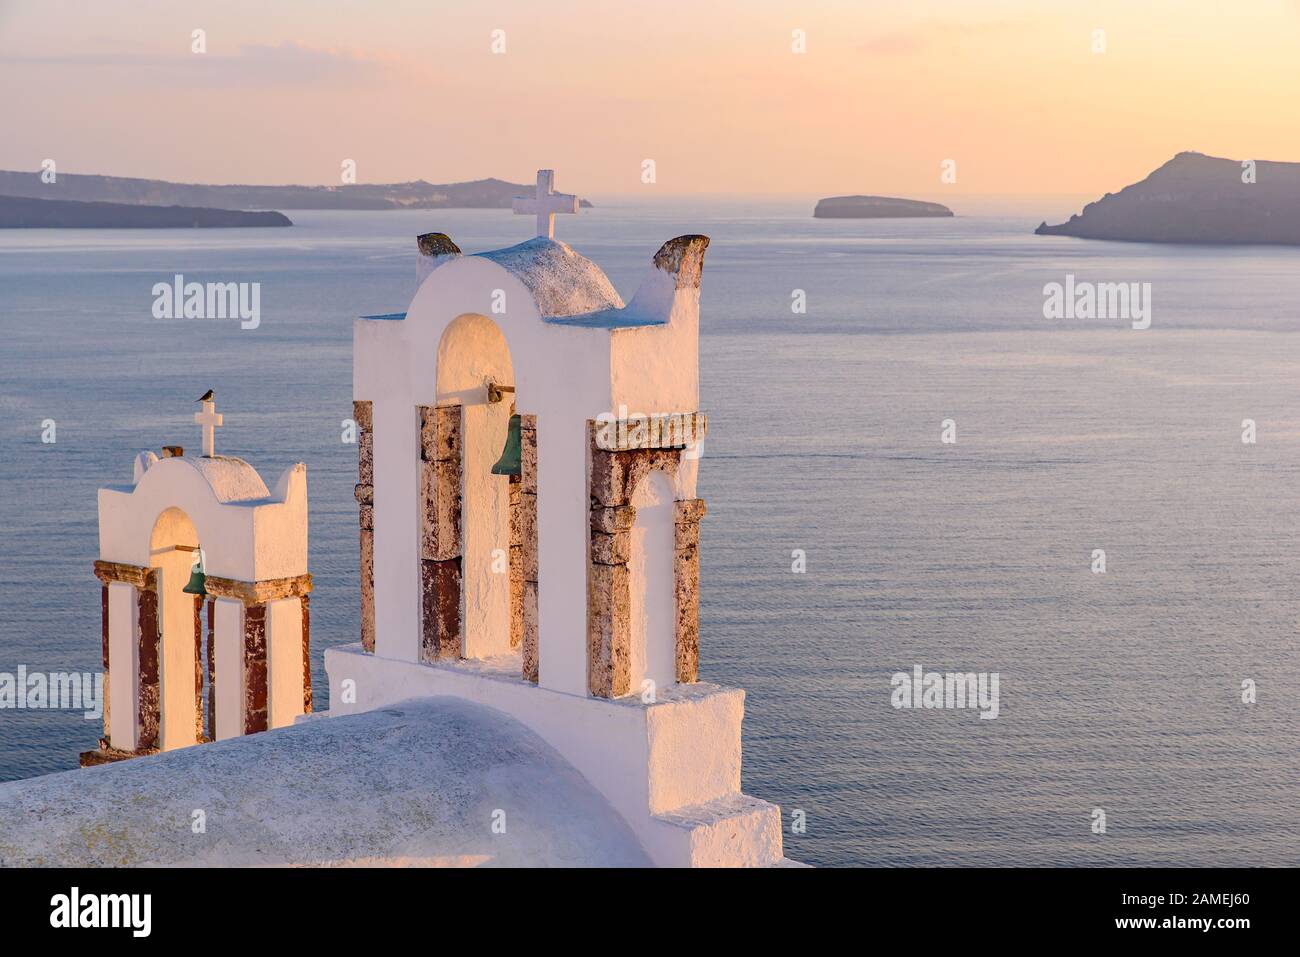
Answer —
1119 691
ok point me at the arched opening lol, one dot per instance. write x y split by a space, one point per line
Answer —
173 549
651 588
473 355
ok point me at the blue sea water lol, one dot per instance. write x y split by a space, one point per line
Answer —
1119 691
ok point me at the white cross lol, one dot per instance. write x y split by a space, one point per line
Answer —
209 418
546 203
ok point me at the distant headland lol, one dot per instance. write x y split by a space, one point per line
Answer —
479 194
21 212
876 207
1196 198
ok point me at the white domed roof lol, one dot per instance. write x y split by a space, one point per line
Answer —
563 281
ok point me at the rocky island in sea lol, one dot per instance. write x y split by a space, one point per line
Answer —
478 194
1196 198
876 207
21 212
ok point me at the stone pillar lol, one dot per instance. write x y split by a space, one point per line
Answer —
198 669
148 690
441 547
620 459
254 634
212 670
609 628
103 599
363 415
255 716
523 550
686 563
306 655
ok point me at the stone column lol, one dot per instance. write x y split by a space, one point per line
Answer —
255 717
686 564
523 550
148 701
609 626
252 660
212 670
363 415
441 548
306 655
620 459
103 599
198 669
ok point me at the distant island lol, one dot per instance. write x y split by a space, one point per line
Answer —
876 207
21 212
1196 198
479 194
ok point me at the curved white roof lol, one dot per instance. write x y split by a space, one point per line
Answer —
415 784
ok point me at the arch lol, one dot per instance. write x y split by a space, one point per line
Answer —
651 587
173 542
472 354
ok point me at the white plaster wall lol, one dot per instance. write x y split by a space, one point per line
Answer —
228 637
656 368
244 541
562 374
123 664
471 353
652 589
679 754
284 661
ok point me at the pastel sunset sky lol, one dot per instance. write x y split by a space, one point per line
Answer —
709 89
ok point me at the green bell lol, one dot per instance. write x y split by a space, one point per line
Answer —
197 584
510 462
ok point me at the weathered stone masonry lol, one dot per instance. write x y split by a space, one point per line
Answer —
523 550
441 547
615 475
363 415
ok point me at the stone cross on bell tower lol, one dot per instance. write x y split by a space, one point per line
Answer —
546 203
209 418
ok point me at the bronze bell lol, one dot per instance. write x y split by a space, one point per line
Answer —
511 461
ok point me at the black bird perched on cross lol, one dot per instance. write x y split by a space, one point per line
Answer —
205 397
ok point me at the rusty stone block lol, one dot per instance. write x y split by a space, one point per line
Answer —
366 457
611 520
368 590
367 518
607 478
255 688
440 585
440 433
689 510
440 493
516 598
530 632
362 414
609 631
686 536
615 549
364 494
528 454
528 535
